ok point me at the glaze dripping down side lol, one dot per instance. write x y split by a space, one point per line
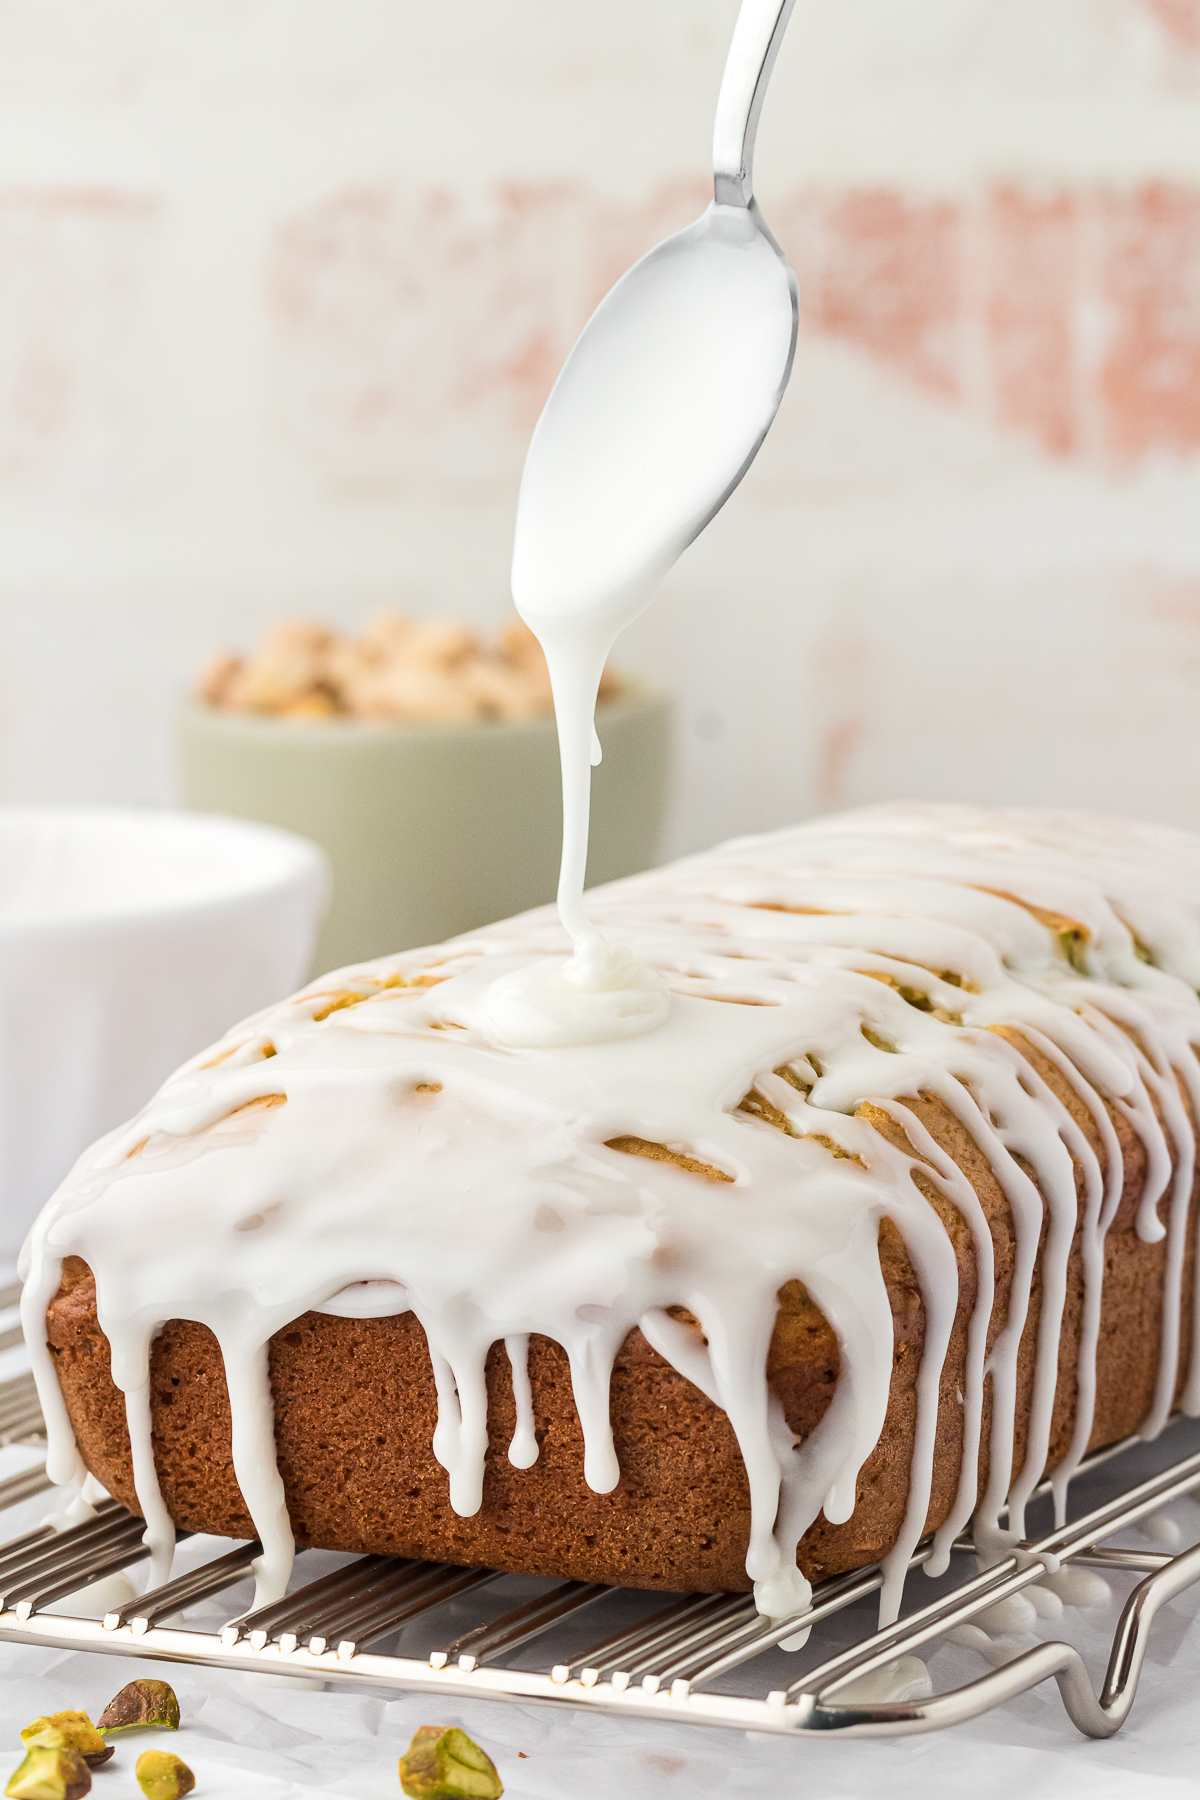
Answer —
368 1148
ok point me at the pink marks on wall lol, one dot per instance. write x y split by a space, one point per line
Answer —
74 269
425 334
849 687
397 322
890 280
1029 245
925 683
1151 625
1179 21
1073 316
1149 377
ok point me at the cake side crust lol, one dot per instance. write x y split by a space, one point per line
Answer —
356 1407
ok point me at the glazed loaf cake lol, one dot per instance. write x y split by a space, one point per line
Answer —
896 1213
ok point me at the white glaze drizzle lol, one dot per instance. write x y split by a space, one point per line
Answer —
1102 1189
905 1679
159 1534
656 415
478 1179
1166 1532
523 1450
1078 1587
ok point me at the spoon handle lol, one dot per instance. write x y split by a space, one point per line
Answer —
756 40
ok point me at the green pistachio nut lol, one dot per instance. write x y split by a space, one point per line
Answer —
162 1775
442 1763
72 1730
50 1772
139 1705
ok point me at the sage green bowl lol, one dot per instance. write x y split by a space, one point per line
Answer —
432 829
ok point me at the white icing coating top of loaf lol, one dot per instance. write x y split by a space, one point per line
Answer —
370 1131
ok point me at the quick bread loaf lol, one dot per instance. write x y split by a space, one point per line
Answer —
896 1212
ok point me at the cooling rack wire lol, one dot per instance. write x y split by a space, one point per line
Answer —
391 1623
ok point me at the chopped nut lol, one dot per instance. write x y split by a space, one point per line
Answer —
398 671
440 642
411 690
162 1775
610 685
75 1730
385 634
316 703
218 677
442 1763
518 643
506 692
50 1772
288 670
140 1704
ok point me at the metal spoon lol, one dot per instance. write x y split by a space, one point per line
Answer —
662 404
658 413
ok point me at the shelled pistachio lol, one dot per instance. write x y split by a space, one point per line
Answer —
162 1775
443 1763
50 1772
75 1731
140 1706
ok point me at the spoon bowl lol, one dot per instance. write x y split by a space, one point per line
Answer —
661 406
658 413
656 416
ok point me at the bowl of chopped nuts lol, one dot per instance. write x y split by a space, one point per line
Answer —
425 765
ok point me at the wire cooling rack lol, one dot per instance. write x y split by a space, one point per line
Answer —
703 1659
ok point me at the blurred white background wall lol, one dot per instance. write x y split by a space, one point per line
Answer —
283 284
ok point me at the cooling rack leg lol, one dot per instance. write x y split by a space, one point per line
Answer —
1095 1716
912 1718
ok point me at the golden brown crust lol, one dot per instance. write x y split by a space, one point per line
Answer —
355 1408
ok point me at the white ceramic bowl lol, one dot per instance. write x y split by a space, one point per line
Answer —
128 941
